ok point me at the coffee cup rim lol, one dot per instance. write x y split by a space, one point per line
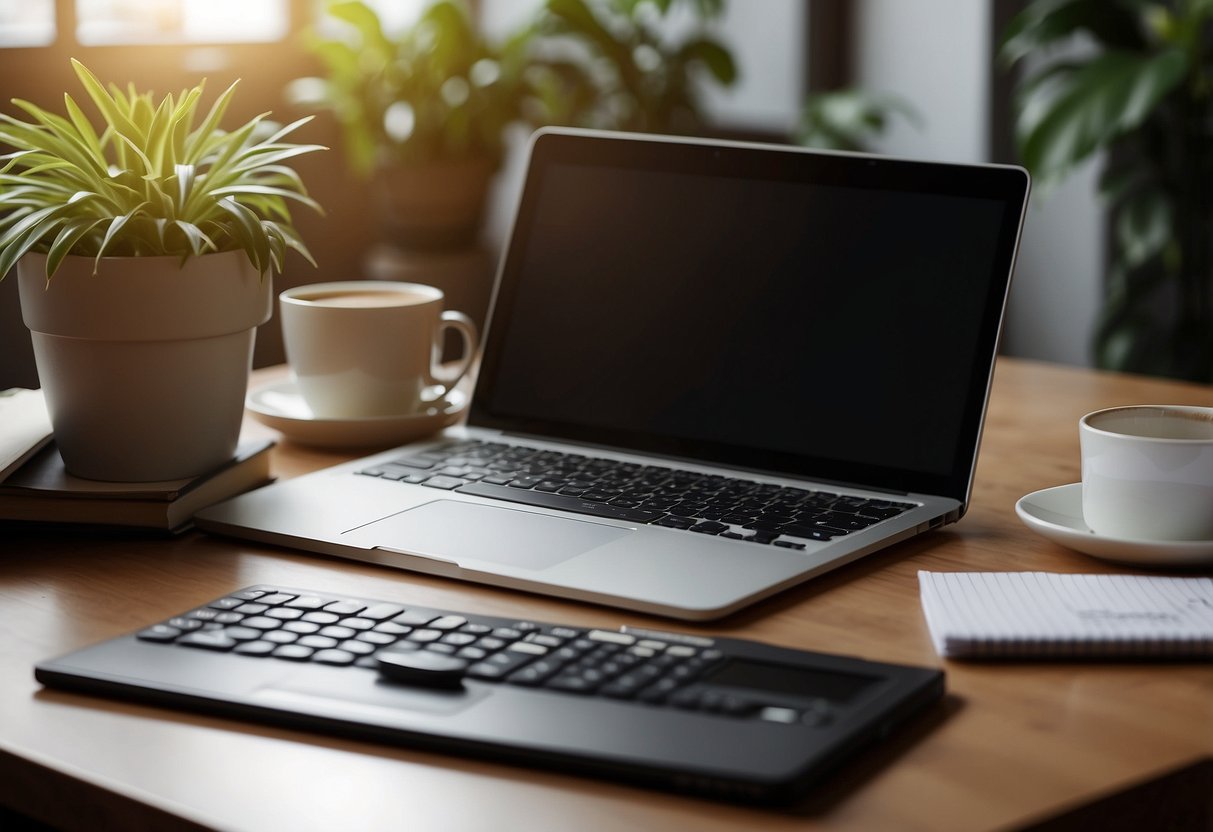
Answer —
292 295
1206 413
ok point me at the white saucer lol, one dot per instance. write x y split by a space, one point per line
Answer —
1056 513
281 407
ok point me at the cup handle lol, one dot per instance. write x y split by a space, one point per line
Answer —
464 325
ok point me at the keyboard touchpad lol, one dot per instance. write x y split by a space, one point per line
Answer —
460 532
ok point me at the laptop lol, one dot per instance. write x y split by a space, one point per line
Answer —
712 371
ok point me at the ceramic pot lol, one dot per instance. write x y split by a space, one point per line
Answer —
145 364
438 205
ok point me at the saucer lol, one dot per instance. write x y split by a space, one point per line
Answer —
1056 513
281 406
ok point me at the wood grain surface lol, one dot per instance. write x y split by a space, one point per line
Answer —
1012 743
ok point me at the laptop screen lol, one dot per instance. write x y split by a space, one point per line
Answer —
825 316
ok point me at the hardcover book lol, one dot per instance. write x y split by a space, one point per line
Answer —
42 491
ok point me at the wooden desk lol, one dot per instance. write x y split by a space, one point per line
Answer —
1013 743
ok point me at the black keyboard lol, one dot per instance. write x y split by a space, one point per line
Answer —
434 648
704 503
723 717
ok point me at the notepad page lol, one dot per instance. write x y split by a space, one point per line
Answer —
1047 614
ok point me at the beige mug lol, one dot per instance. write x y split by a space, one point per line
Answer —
1147 472
368 348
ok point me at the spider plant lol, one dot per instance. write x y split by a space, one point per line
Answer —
150 183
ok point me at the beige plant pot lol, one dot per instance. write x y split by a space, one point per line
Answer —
144 365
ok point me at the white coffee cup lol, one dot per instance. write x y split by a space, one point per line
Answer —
365 348
1147 472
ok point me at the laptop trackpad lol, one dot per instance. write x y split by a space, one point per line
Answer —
459 532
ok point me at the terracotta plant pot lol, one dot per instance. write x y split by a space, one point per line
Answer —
144 365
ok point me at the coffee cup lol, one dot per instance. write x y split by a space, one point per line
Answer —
368 348
1147 472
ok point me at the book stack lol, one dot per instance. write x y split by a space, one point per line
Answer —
35 487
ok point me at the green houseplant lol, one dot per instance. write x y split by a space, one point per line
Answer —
426 111
849 119
422 112
1141 89
143 252
630 74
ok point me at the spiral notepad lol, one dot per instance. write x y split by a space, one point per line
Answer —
999 615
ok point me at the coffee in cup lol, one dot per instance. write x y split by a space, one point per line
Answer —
1147 472
371 348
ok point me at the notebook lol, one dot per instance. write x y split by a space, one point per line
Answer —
812 330
1051 615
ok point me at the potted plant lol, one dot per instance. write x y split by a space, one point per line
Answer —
632 74
423 113
143 253
1138 88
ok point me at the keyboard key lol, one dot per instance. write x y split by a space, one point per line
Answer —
371 637
445 483
280 637
225 603
379 612
261 622
336 657
293 652
448 622
358 648
303 628
309 602
208 639
322 617
159 632
255 648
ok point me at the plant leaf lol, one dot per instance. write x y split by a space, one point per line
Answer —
1042 24
1143 227
1095 104
71 233
714 56
247 228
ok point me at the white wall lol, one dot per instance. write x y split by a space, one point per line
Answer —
934 54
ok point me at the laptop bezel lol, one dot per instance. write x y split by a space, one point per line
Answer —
1004 183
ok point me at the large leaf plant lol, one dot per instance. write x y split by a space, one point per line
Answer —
633 75
1136 81
153 181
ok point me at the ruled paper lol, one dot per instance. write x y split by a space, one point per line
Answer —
1053 615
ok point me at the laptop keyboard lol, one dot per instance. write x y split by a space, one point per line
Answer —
702 503
439 649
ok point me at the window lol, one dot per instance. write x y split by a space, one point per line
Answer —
27 22
101 22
